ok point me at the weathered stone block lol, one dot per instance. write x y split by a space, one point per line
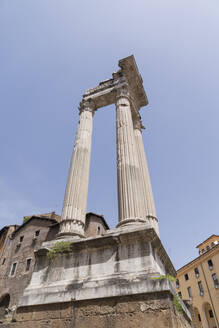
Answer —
153 306
108 307
51 311
60 323
24 314
94 322
127 307
142 320
66 310
88 310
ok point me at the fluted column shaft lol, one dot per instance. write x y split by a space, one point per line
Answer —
128 171
148 199
75 201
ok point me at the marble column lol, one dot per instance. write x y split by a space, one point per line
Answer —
130 202
75 201
148 199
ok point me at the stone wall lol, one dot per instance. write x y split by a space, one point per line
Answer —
140 311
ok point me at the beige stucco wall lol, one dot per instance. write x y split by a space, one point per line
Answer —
210 298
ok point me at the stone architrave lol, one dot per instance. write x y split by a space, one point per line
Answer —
74 207
149 205
130 200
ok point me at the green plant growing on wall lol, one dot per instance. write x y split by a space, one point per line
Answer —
176 299
60 247
177 303
26 218
165 276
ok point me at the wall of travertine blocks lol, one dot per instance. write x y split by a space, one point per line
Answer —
140 311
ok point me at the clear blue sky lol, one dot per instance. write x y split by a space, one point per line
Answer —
52 51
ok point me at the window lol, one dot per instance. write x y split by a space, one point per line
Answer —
196 272
210 264
37 233
186 276
180 294
208 248
13 269
3 262
201 289
215 280
98 230
211 314
28 264
21 239
199 317
212 244
189 292
177 283
203 251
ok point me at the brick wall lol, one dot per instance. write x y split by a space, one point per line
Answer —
18 251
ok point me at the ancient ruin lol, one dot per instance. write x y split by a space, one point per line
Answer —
107 280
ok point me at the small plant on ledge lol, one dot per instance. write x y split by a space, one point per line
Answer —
177 303
60 247
26 218
166 276
176 298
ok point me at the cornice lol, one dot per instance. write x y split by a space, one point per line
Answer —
126 82
200 258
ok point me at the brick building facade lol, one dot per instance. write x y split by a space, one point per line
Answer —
17 246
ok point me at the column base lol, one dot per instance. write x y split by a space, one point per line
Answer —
131 221
150 220
71 227
69 235
153 221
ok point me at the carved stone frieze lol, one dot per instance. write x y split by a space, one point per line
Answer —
101 87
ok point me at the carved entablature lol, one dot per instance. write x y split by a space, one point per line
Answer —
130 70
126 81
100 88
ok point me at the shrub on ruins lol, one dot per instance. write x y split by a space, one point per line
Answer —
60 247
177 303
176 298
165 276
26 218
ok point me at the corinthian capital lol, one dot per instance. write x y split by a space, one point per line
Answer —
122 91
87 105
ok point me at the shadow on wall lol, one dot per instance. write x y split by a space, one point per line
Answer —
209 315
4 304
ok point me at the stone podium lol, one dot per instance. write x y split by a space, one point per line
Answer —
107 280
